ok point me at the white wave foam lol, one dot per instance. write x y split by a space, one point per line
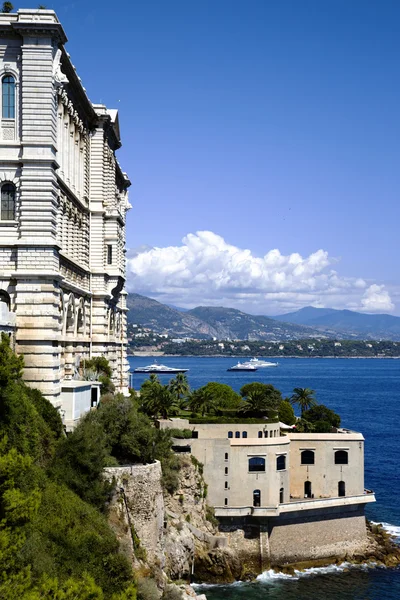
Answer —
271 575
394 530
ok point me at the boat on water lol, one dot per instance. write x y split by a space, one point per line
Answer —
243 367
256 362
159 369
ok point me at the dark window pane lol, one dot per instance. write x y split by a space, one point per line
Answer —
8 97
8 202
341 457
257 464
307 457
244 434
281 463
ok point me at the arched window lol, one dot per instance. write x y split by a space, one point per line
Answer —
226 470
8 97
281 463
257 498
5 299
260 434
256 463
7 202
307 457
226 485
237 434
341 457
226 502
281 495
226 456
230 434
341 488
244 434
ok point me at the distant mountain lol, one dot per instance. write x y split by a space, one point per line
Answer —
207 322
353 324
164 319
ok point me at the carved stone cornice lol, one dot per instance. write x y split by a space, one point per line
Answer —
34 28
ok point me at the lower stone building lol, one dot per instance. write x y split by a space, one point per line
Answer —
304 492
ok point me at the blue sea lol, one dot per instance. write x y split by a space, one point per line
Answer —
366 393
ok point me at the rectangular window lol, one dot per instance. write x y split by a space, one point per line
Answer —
109 254
226 502
226 470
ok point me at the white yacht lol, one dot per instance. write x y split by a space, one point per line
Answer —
243 367
256 362
159 369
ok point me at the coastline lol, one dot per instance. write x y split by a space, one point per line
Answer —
238 356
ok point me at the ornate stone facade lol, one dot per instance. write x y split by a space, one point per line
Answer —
63 207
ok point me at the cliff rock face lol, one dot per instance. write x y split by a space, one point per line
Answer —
137 510
157 529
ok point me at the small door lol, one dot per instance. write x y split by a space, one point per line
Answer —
257 498
307 489
341 488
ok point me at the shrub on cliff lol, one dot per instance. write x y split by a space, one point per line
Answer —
80 459
53 544
22 413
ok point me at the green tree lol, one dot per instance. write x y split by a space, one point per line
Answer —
202 401
304 398
20 421
180 389
224 397
260 399
98 368
286 413
319 413
80 459
7 7
157 399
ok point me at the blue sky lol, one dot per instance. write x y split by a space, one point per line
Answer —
264 124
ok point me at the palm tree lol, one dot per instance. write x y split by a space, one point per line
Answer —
201 401
166 403
304 398
255 402
180 388
157 400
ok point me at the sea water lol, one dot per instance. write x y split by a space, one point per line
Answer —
366 393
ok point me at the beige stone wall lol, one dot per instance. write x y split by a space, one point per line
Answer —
324 475
321 534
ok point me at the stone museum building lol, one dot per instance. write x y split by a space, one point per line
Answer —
64 201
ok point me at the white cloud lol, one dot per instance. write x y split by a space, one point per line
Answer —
376 299
205 269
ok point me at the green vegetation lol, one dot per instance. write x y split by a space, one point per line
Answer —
54 540
303 398
301 348
260 399
181 434
98 369
322 414
286 413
